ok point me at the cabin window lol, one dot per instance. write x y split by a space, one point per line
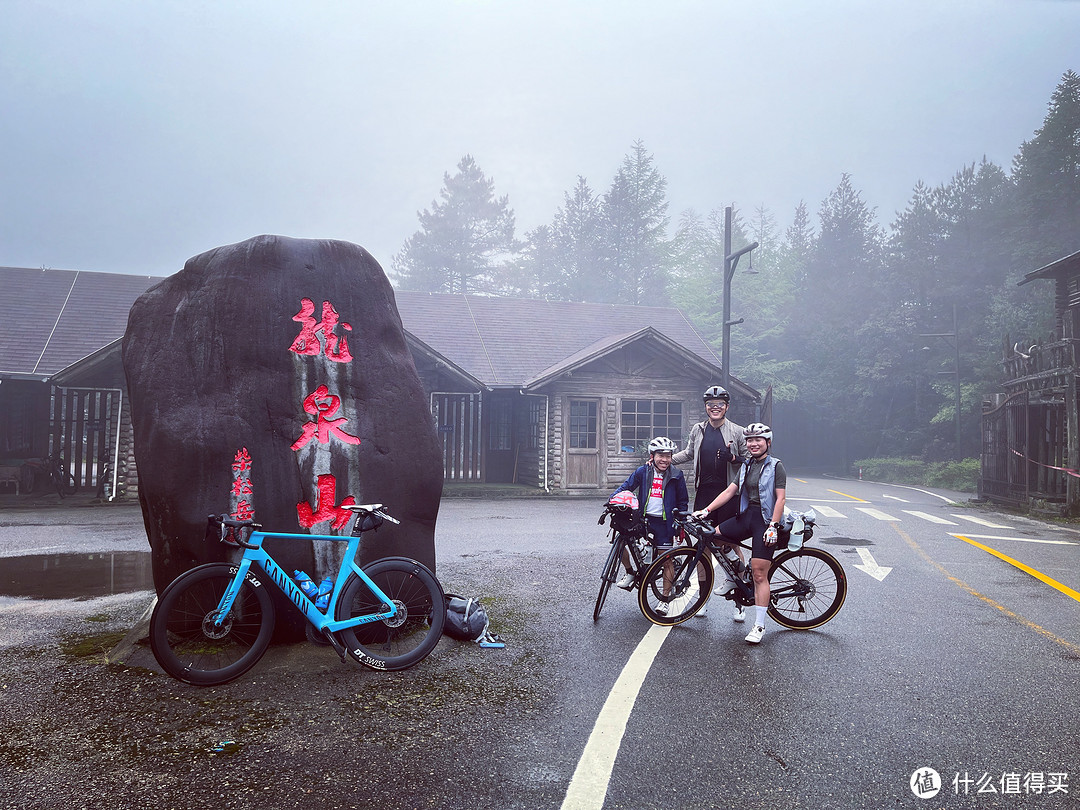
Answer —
645 419
584 422
500 424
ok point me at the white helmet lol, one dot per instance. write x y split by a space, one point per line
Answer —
760 430
662 444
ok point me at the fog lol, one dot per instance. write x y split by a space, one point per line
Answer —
137 134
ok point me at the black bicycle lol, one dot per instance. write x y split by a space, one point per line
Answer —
627 532
56 470
807 585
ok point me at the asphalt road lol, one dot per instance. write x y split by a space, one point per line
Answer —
953 659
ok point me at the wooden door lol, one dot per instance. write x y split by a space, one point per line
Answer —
583 443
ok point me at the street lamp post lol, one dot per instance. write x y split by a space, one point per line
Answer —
731 261
952 336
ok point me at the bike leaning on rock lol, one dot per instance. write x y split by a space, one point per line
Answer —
214 622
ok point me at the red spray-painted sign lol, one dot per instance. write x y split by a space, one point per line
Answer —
327 428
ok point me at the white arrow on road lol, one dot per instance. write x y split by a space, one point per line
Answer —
870 565
894 498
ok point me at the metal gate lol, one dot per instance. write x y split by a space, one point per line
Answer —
1024 445
85 430
457 418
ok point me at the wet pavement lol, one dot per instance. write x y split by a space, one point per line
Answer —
957 660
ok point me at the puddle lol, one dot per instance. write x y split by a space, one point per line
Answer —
76 576
844 541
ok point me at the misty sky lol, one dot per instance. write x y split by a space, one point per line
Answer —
135 134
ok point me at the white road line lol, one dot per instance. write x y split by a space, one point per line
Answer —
820 500
827 511
980 521
894 498
875 513
931 518
588 787
1017 539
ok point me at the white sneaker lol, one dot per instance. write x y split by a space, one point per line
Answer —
701 613
727 586
754 636
626 582
739 615
661 608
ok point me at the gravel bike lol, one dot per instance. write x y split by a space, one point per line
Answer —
214 622
807 585
628 533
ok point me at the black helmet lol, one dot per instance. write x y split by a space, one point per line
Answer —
716 392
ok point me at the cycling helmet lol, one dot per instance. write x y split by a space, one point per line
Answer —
662 444
716 392
759 429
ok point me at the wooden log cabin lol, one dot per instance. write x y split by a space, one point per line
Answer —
1030 431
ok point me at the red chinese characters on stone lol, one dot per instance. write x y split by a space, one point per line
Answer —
321 404
325 508
244 511
242 485
242 461
335 346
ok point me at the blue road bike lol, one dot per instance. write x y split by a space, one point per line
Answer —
214 622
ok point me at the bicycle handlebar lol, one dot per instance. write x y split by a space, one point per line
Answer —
228 523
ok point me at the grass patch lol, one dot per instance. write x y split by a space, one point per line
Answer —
95 645
960 476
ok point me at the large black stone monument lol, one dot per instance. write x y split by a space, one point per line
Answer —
270 379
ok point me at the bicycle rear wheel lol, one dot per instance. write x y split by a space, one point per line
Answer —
405 639
807 588
611 570
670 592
183 636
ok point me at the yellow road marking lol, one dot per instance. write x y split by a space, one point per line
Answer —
1042 631
1027 569
845 495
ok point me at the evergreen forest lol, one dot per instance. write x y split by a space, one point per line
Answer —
837 311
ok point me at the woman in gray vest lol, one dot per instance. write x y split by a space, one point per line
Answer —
762 490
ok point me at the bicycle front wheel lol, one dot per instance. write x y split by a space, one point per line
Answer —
65 481
807 588
188 643
670 591
610 573
406 638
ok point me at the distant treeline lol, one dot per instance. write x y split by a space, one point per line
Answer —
835 311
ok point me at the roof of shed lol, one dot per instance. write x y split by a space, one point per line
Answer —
1066 265
513 341
57 317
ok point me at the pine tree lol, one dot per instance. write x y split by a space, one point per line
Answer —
636 248
465 241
